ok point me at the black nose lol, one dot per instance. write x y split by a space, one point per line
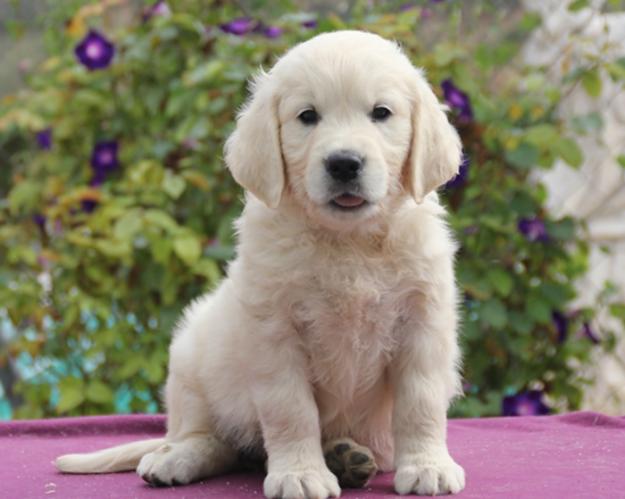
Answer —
344 165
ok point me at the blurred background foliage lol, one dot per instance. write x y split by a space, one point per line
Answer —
116 209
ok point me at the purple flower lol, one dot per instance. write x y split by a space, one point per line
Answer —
89 205
104 156
561 322
99 176
272 32
462 175
458 100
527 403
533 229
44 139
436 1
40 220
95 51
310 24
589 333
104 159
239 27
157 9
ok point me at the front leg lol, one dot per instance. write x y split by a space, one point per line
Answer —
425 379
289 419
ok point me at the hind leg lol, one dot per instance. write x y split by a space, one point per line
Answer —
353 464
191 450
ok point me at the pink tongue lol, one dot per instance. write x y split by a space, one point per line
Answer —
348 200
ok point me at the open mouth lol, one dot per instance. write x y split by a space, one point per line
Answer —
348 202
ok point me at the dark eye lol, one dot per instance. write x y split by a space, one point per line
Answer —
380 113
308 117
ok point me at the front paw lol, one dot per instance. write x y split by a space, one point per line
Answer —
158 469
427 475
309 483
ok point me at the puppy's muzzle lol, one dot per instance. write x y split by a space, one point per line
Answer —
344 166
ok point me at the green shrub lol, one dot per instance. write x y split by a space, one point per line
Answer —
107 233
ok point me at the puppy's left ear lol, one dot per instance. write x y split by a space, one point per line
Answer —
253 152
436 151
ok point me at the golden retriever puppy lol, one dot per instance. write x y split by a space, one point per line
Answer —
337 321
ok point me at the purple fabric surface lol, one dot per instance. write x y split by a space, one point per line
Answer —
577 455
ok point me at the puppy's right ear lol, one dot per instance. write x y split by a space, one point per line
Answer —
253 152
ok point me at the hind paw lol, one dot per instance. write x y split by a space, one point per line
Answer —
353 464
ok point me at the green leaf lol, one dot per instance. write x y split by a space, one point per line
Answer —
471 330
174 185
161 250
154 370
204 73
541 135
493 312
209 269
188 248
569 151
219 252
578 5
24 196
501 280
167 318
538 309
99 393
521 322
618 310
563 230
587 122
71 315
473 284
591 81
445 53
161 219
529 21
522 204
128 225
555 294
621 160
113 248
616 69
71 394
133 363
524 156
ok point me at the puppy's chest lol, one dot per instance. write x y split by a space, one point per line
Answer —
347 320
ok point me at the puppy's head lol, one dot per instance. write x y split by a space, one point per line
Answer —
344 125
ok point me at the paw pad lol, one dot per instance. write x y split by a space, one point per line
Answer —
353 464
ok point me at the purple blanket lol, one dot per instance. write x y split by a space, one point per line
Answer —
578 455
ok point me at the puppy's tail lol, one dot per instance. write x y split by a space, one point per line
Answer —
121 458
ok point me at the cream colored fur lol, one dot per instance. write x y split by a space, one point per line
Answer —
330 323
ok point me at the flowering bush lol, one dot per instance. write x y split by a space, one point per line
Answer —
116 210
